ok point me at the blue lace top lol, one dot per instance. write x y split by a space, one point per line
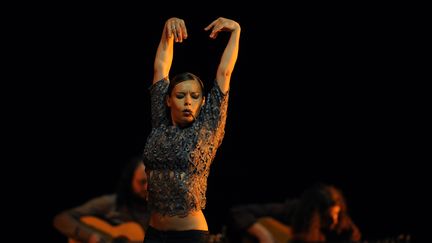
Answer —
178 159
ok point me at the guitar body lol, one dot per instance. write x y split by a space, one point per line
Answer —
281 233
129 230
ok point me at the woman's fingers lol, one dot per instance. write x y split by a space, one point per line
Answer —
176 28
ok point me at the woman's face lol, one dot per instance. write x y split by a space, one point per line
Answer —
185 102
139 182
333 214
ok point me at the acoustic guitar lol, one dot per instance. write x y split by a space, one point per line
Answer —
130 231
281 233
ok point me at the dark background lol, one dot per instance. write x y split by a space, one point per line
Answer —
316 95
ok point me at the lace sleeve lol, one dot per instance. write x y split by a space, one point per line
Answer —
158 108
215 111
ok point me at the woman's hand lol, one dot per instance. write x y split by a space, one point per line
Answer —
222 24
176 27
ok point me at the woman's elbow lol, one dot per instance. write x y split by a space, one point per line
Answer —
224 73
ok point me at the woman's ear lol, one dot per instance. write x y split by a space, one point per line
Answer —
168 101
203 101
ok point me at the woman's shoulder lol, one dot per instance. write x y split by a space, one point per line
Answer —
105 199
162 83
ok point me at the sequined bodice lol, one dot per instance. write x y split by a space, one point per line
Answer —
178 159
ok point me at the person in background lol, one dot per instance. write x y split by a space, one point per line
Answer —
127 204
319 215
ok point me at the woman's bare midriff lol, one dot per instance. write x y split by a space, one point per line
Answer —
193 221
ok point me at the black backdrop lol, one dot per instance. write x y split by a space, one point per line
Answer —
313 98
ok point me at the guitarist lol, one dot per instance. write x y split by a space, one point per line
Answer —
128 204
320 215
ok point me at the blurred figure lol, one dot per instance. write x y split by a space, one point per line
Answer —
319 215
107 217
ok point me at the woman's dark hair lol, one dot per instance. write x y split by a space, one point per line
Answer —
124 192
313 209
184 77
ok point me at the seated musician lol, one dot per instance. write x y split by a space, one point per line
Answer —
319 215
127 207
